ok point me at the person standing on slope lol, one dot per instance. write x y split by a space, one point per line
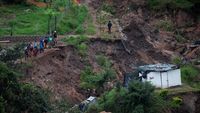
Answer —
35 50
41 45
54 38
109 26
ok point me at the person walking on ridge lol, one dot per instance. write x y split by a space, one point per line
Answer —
35 50
54 38
41 45
109 26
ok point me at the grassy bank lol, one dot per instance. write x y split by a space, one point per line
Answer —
22 20
31 20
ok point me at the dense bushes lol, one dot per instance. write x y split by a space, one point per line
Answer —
92 80
189 74
10 55
78 42
138 98
108 8
16 97
172 4
13 1
20 97
166 25
73 20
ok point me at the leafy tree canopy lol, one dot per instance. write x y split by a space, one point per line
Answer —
138 98
18 97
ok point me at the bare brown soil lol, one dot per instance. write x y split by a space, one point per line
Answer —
58 70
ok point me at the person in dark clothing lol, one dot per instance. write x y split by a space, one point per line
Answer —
109 26
54 37
54 34
30 50
26 52
45 42
35 49
41 45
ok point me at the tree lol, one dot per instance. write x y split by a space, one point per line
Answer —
18 97
138 98
51 13
173 4
10 55
13 1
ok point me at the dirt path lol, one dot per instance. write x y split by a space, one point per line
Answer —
93 13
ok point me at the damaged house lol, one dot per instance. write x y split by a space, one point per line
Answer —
159 75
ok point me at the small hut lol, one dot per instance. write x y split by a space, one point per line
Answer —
161 75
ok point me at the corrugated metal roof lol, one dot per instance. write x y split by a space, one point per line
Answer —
157 67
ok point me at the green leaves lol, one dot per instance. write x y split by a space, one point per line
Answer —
51 12
17 98
73 20
9 55
91 80
189 74
138 98
166 25
2 105
79 42
173 4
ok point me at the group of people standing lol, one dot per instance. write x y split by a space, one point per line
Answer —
33 48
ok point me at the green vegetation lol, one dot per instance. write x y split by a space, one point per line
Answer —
164 93
177 61
172 4
31 20
90 30
78 42
60 106
103 17
166 25
20 97
190 74
103 61
75 41
138 98
108 8
73 20
92 80
176 102
10 55
16 97
182 89
179 38
82 49
22 20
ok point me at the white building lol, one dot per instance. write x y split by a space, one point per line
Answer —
161 75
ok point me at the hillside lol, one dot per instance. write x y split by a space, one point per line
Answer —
89 61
